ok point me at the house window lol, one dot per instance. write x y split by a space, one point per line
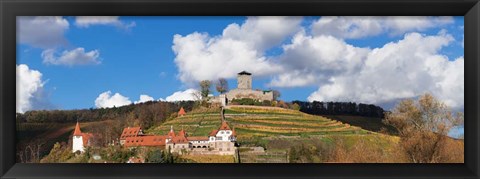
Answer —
219 138
228 132
221 132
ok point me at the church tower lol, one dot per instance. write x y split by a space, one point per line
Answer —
77 140
244 80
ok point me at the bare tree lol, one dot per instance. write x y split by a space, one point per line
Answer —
222 85
205 86
423 126
276 94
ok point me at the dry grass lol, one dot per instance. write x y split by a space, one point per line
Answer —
210 158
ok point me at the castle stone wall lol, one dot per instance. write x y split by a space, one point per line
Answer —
248 93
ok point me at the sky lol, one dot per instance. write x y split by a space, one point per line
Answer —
97 62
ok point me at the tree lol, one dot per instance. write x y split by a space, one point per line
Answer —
156 156
205 88
276 94
423 126
222 85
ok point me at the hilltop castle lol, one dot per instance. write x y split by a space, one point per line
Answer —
243 90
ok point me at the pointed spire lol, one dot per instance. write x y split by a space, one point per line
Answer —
181 112
77 131
171 133
224 126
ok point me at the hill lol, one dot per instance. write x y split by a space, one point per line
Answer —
374 124
275 129
40 137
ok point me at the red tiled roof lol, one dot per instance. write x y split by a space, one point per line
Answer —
224 126
181 112
197 138
77 131
213 133
171 134
86 137
182 133
130 132
150 140
178 140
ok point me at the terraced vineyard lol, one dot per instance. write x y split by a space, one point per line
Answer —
253 122
274 129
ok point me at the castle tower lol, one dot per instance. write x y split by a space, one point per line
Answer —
77 140
244 80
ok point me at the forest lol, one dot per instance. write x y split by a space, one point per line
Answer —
341 108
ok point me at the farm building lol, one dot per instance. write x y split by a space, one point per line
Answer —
220 141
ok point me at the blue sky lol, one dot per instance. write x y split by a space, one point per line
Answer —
77 59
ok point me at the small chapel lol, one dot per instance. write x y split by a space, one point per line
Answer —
80 140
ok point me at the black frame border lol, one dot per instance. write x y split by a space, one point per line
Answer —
9 9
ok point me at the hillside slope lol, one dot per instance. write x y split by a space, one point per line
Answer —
275 129
253 121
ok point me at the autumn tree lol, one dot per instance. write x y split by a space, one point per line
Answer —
205 88
222 85
423 126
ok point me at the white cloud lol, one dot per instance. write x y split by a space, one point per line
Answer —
353 27
42 31
187 95
29 84
404 69
263 32
107 100
76 56
294 79
240 47
144 98
87 21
